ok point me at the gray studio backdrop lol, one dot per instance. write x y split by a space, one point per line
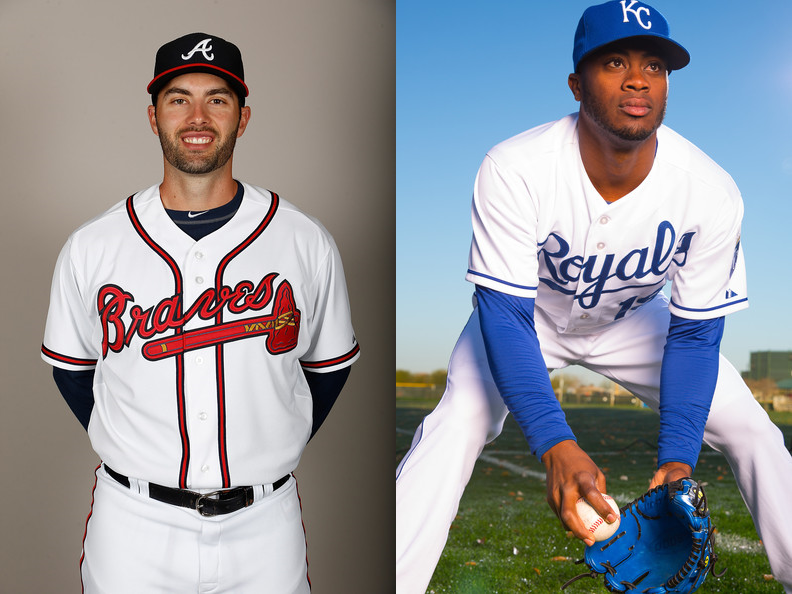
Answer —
74 140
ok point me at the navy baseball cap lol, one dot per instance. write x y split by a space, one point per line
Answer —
624 19
199 52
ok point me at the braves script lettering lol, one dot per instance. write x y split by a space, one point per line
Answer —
119 329
588 278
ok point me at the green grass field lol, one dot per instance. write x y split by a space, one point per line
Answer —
505 538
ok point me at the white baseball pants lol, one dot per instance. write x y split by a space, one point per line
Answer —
135 544
432 476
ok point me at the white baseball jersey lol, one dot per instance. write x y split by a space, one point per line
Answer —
199 347
541 230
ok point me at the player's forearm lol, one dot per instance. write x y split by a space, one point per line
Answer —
687 382
519 370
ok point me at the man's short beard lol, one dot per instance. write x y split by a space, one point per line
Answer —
192 164
597 112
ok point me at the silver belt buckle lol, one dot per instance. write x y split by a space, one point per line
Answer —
199 504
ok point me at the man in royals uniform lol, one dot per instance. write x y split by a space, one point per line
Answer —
577 227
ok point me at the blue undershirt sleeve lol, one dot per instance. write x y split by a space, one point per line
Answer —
687 383
76 387
519 371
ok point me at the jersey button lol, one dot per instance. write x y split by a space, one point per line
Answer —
605 220
600 246
199 255
199 280
199 360
203 416
584 317
205 468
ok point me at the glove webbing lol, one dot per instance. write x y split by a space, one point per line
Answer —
697 546
686 568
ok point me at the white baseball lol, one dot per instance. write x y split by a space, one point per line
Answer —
596 526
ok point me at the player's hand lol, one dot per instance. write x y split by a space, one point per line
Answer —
571 474
670 472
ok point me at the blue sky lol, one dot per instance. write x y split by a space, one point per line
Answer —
470 74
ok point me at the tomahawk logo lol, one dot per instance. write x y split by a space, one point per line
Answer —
637 12
205 48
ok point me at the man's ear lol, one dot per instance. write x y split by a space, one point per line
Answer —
152 116
244 118
574 85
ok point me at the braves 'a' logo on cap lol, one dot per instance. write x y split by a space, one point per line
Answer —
636 11
205 48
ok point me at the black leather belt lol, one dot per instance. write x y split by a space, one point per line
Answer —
215 503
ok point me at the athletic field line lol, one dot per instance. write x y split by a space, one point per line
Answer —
486 457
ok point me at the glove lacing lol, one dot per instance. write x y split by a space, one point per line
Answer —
696 548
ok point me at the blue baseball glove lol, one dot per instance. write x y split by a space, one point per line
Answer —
663 544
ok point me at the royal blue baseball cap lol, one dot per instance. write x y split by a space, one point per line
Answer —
624 19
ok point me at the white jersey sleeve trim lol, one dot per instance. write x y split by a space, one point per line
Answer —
334 364
492 282
503 253
66 362
709 312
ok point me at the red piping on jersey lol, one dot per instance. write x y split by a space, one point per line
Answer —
179 290
66 359
221 400
85 533
330 362
305 537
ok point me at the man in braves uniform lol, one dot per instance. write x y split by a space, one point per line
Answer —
577 227
201 331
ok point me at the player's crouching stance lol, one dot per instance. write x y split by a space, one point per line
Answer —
570 252
200 330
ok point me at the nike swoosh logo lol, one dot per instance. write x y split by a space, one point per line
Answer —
192 215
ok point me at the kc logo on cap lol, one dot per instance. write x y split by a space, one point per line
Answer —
199 52
637 12
624 19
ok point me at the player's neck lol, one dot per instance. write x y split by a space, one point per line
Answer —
615 168
182 191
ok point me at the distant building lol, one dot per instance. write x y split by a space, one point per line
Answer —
775 365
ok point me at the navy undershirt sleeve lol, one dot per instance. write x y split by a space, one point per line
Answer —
687 382
76 387
325 388
519 371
